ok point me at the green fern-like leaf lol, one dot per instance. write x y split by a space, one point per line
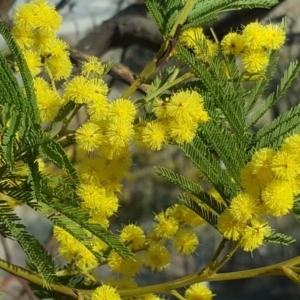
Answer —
221 5
289 76
155 9
296 208
211 168
79 218
62 113
8 138
34 250
55 153
272 134
280 238
191 187
205 214
24 71
10 90
230 149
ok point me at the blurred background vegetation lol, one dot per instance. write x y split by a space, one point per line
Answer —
121 30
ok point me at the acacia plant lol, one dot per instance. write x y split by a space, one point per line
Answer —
201 104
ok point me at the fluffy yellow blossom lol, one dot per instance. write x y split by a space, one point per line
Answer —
160 108
98 219
274 37
124 266
23 37
278 197
97 110
48 18
33 61
57 47
89 137
119 133
60 66
92 66
229 227
184 106
72 249
133 236
255 61
250 180
108 206
42 41
180 114
157 257
110 178
122 109
253 235
292 144
233 43
110 151
48 100
166 226
92 194
99 90
77 90
105 292
154 135
189 37
90 169
185 241
295 185
181 132
285 165
24 17
254 36
244 207
261 165
178 212
198 291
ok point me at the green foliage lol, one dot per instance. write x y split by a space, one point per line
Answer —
280 238
37 255
288 77
30 104
204 213
191 187
220 149
55 153
211 167
62 114
24 140
272 134
165 13
296 208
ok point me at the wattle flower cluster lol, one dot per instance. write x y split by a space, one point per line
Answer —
270 180
177 120
195 40
34 29
105 138
252 45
